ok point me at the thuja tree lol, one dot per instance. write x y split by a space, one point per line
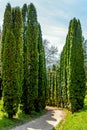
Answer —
24 18
17 28
58 86
48 86
12 61
40 103
77 72
10 97
72 73
32 61
63 78
6 25
24 87
52 86
45 77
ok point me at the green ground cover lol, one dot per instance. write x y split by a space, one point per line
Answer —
76 121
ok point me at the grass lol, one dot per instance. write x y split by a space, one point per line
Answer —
20 118
76 121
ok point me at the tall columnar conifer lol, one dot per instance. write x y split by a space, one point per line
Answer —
58 86
63 78
40 104
24 88
72 73
12 59
6 25
45 76
17 27
9 79
32 60
77 72
50 85
61 103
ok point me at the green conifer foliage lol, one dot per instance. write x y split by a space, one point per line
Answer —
77 72
32 60
63 78
45 77
12 59
17 27
58 86
54 86
72 73
6 25
41 75
10 89
61 90
24 88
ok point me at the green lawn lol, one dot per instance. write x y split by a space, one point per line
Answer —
76 121
20 118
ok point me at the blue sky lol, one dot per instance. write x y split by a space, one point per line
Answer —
54 17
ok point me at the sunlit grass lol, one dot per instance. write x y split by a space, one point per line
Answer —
76 121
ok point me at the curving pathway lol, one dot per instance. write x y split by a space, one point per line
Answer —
45 122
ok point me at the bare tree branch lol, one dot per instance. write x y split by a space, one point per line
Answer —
51 53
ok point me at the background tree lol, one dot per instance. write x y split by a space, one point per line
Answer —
52 86
63 78
58 86
51 53
49 86
40 104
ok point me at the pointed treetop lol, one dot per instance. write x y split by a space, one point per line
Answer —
32 14
24 11
7 17
8 6
18 17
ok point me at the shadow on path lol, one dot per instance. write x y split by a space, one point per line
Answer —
45 122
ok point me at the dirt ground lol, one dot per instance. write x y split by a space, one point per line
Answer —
45 122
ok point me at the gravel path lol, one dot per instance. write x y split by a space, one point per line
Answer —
45 122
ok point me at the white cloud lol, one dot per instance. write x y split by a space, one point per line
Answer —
55 34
